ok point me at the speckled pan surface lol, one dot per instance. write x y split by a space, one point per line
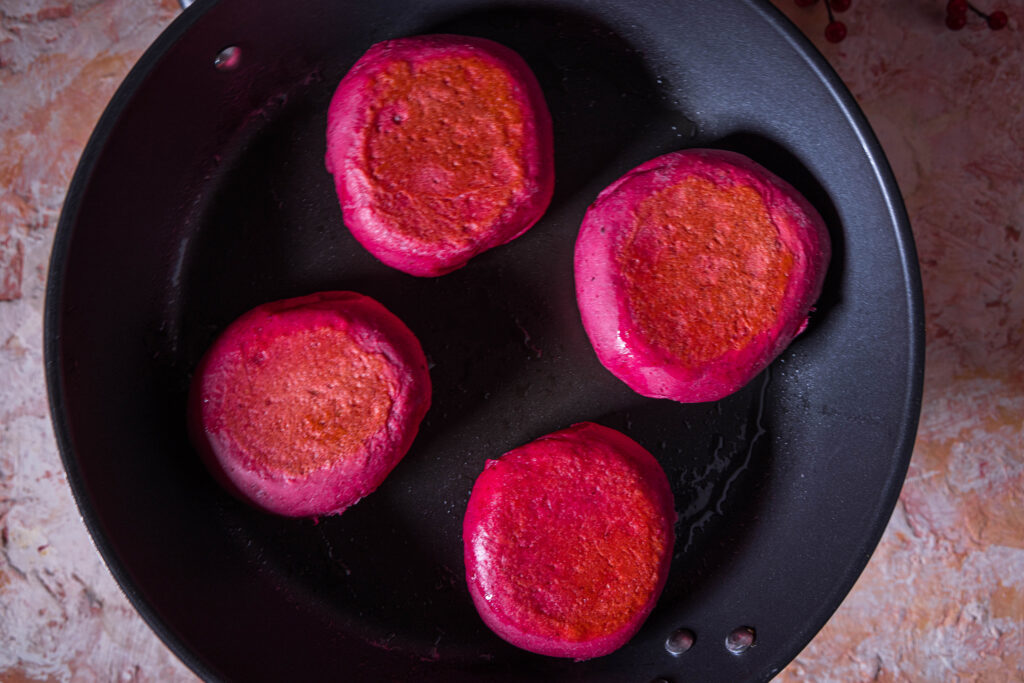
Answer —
212 182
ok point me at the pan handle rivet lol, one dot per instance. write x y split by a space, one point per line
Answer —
680 641
740 640
228 58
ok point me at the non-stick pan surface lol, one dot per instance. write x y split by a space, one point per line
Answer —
203 193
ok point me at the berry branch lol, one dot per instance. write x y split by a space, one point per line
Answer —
835 30
956 16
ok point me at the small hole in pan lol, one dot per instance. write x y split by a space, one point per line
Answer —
679 641
228 59
740 640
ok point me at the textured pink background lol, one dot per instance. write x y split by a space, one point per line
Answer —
942 598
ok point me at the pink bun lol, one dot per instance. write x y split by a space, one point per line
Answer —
304 406
568 542
441 148
694 271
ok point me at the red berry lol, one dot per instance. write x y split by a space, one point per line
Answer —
997 20
955 22
835 31
956 7
805 3
840 5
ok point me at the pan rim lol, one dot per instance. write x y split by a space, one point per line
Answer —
52 326
914 380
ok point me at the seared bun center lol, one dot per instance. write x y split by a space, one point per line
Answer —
306 400
445 148
578 561
303 406
568 541
704 269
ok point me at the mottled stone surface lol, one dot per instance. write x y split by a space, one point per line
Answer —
942 598
62 617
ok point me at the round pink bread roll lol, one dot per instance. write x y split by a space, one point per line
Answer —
441 148
304 406
694 271
568 541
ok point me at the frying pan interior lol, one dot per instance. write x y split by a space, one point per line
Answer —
203 193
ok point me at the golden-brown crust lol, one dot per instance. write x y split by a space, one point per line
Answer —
441 148
303 406
695 270
568 541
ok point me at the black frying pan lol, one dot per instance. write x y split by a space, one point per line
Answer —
202 193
